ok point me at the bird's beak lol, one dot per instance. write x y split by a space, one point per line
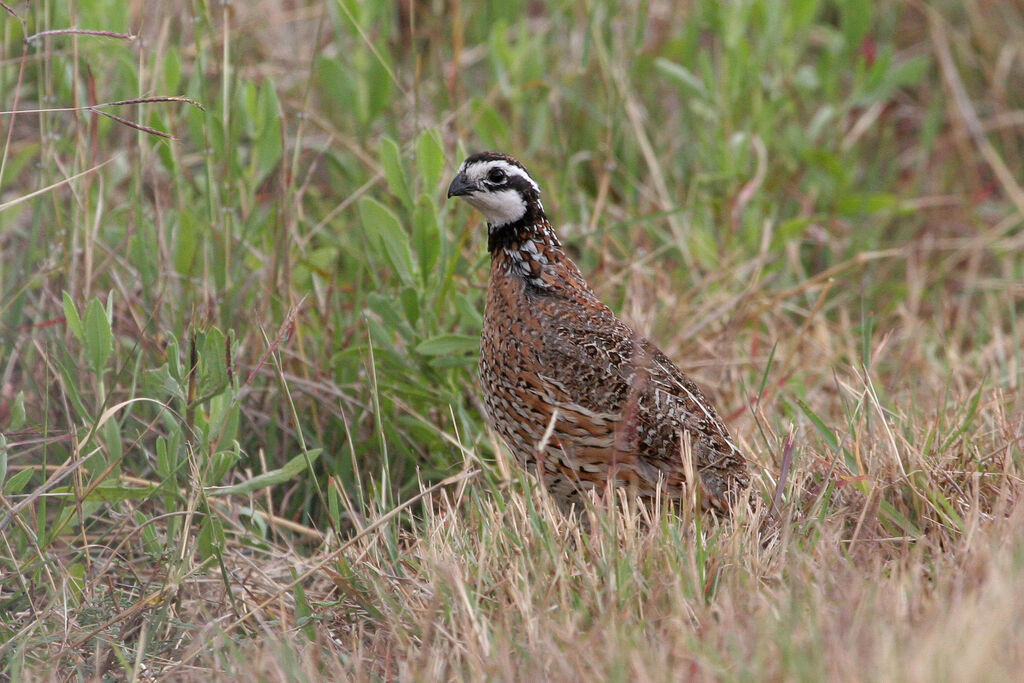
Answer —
460 186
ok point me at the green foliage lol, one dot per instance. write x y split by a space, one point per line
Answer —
96 336
273 316
764 125
751 110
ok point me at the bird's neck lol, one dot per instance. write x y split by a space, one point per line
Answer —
533 227
524 247
530 250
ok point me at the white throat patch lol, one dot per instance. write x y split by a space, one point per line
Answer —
499 208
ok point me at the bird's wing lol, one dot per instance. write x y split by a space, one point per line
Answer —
606 367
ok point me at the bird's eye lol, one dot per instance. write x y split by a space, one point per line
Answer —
496 175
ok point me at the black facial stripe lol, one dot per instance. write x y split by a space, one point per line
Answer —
522 185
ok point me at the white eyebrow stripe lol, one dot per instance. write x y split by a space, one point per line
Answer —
516 171
482 168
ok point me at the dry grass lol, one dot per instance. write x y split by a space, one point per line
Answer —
835 257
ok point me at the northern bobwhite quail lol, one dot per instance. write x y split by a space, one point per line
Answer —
577 395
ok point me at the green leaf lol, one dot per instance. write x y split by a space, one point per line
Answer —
99 340
889 512
221 463
337 86
334 504
161 381
159 121
383 226
855 21
426 234
679 73
304 616
888 77
170 60
908 72
854 203
410 304
492 128
110 491
429 158
76 580
174 364
187 242
802 13
164 466
290 470
17 413
114 451
259 522
150 538
211 537
17 482
267 143
447 344
213 368
379 86
72 376
391 313
830 437
972 411
71 316
823 429
391 161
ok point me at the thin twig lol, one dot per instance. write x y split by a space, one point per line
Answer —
79 32
970 117
787 464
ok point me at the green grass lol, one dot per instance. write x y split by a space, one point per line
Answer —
241 429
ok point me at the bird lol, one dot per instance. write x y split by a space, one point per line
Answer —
580 398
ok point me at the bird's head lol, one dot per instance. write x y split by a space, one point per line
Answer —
499 187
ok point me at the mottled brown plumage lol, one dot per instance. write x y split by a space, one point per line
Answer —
577 395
